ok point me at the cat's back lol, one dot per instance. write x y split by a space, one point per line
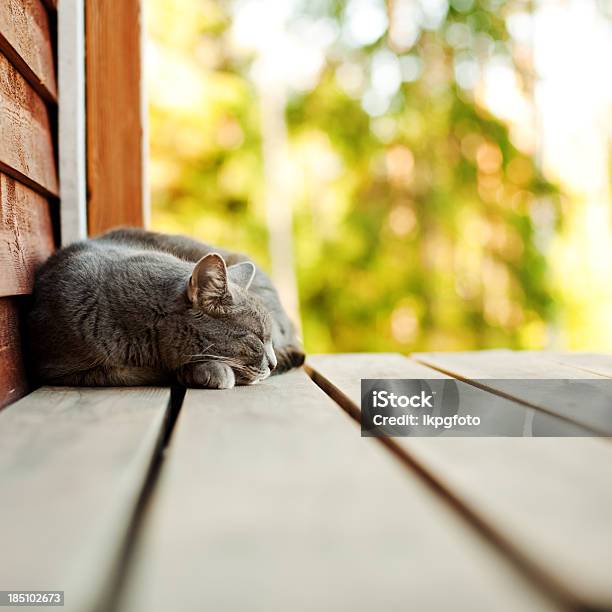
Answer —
95 275
72 277
92 261
77 262
88 295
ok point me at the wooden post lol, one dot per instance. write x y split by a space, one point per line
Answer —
116 152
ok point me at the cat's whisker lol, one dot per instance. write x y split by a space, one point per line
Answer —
228 361
211 357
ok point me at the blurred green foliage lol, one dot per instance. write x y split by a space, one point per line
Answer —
418 224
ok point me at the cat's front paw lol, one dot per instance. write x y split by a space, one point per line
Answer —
207 375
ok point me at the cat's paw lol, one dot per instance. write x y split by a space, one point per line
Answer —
207 375
288 357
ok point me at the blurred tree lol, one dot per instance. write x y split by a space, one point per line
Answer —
418 223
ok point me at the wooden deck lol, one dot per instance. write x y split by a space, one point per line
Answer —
267 497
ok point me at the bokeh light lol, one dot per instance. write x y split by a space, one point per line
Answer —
416 174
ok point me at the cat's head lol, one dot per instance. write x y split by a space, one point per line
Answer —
238 327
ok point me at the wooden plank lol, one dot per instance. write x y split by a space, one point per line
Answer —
595 363
26 235
13 384
73 463
499 416
26 145
25 38
72 145
580 396
500 363
115 115
546 501
270 500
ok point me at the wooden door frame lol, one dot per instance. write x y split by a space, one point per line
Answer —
102 118
71 120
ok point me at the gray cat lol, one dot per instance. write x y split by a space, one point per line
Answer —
133 307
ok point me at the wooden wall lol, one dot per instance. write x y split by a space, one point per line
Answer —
28 169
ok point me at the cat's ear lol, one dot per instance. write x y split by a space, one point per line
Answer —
208 282
242 274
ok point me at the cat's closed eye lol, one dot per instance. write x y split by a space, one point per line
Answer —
253 343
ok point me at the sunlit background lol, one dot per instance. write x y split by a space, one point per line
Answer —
415 174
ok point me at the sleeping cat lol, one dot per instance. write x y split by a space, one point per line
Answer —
133 307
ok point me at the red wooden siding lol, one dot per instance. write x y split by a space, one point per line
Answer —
26 236
28 174
25 39
12 374
26 143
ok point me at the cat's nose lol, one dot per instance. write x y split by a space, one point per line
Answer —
270 356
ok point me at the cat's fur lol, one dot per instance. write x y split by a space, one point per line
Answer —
133 307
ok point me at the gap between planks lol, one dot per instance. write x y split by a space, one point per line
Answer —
556 589
116 579
25 180
50 97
